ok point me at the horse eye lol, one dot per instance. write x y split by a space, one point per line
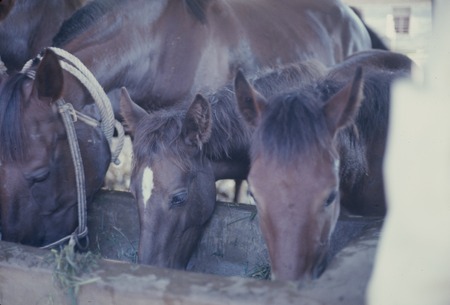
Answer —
331 198
39 175
179 199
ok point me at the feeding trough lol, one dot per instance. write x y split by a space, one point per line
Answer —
222 270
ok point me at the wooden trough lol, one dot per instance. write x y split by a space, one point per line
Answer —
231 252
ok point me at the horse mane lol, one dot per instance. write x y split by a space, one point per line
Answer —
11 128
229 131
83 19
89 14
273 81
197 8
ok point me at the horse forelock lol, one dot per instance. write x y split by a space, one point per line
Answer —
160 135
82 19
12 148
293 124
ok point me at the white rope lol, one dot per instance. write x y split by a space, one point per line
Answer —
66 110
75 67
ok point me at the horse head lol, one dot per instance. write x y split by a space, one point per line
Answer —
38 195
172 181
294 175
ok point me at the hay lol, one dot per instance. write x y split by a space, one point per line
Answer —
261 272
72 269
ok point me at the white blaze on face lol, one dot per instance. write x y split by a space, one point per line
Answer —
147 185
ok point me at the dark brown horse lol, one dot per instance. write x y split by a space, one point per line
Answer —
37 178
163 52
28 26
316 148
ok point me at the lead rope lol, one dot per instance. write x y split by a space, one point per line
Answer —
66 111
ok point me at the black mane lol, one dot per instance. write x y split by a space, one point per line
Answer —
88 15
83 19
197 8
11 128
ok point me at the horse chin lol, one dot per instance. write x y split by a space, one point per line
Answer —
172 253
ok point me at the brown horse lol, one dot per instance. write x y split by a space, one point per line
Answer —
26 27
316 148
178 155
163 52
38 194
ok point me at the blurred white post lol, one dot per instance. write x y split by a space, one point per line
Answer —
412 265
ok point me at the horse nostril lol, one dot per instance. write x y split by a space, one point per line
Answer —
319 269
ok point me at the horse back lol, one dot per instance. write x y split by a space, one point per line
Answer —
294 30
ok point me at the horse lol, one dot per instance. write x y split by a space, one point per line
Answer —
162 52
315 149
38 189
28 26
179 154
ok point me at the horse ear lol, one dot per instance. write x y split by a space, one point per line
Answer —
5 8
342 107
130 111
250 102
49 77
197 123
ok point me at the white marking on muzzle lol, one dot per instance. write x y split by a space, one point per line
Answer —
147 185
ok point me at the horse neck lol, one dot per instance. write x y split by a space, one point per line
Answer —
16 31
26 32
146 52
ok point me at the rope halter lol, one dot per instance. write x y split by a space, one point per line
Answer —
69 115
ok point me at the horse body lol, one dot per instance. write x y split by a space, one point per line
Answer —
28 26
317 148
217 38
164 52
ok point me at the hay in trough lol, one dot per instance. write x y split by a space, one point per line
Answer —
72 269
260 272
